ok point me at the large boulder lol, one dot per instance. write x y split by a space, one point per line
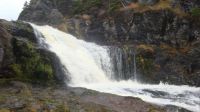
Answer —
21 59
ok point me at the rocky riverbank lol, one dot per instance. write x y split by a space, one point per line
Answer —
23 97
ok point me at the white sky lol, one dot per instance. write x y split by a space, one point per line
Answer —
10 9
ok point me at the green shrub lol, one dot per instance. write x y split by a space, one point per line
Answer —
30 64
43 72
195 11
145 64
16 68
62 108
114 5
83 5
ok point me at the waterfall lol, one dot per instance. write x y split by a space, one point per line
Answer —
135 67
110 63
123 61
83 65
109 69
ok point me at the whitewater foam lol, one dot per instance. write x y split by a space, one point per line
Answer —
162 94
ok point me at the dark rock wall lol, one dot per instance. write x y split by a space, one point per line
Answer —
5 46
98 24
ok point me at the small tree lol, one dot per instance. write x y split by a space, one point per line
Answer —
195 11
25 5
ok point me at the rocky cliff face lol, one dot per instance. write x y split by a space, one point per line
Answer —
165 40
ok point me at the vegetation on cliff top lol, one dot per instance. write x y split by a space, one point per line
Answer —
83 5
182 8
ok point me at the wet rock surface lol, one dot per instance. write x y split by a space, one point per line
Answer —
21 97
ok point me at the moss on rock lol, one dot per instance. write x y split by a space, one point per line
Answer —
145 64
195 12
30 64
22 60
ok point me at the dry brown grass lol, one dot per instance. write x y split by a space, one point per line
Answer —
170 50
185 50
162 4
148 48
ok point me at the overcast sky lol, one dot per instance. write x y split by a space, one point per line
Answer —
10 9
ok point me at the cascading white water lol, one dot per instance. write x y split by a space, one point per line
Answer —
90 67
135 68
124 63
79 61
